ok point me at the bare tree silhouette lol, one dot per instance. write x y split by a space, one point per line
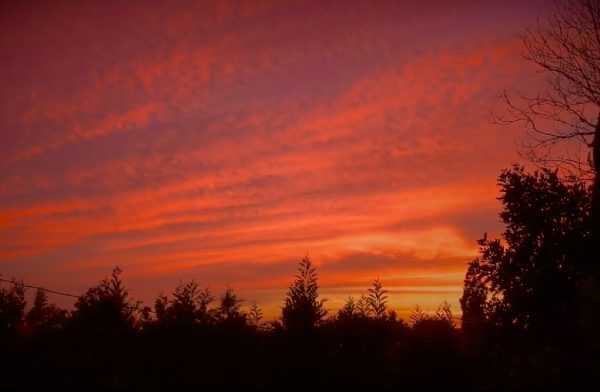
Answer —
567 50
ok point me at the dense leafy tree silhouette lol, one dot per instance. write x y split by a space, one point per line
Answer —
474 301
303 310
14 355
229 313
106 306
525 280
230 306
525 322
12 308
564 121
433 349
189 306
44 317
521 301
302 316
186 344
100 338
366 335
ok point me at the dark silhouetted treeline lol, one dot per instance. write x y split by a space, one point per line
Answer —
530 320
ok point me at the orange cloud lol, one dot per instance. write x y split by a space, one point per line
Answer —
226 140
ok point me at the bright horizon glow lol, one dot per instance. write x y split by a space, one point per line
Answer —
221 141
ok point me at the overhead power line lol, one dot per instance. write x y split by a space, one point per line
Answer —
16 283
21 283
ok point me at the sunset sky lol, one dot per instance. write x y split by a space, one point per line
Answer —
222 141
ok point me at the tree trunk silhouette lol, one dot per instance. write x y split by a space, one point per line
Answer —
595 213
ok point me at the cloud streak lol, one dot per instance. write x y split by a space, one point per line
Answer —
224 140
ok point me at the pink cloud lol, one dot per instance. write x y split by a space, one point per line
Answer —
227 140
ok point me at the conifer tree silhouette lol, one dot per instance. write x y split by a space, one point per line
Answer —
377 299
303 310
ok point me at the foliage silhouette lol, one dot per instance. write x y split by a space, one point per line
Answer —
443 315
189 306
187 344
349 311
303 310
229 314
377 300
362 306
557 282
474 299
255 315
43 316
526 279
230 306
520 300
529 305
12 308
526 322
105 307
564 122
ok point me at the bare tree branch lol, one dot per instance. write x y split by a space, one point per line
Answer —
561 123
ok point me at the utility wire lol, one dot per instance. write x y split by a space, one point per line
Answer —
77 296
16 283
20 283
